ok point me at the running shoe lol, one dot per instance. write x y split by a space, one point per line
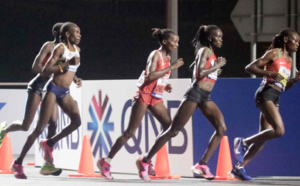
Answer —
143 169
239 149
3 125
17 169
104 168
48 157
50 169
240 173
203 171
151 171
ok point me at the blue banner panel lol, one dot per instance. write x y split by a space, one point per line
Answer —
235 98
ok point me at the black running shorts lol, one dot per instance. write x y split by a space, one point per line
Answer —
196 94
267 93
37 85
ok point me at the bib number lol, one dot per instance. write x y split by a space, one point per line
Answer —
285 73
213 75
160 86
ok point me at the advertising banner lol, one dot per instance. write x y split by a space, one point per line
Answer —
106 108
12 108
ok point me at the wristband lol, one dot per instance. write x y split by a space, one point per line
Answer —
61 70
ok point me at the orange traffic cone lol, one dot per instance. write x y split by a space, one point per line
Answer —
224 161
86 167
6 156
162 168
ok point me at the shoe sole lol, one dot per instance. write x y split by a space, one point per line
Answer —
237 177
56 173
100 168
14 171
200 173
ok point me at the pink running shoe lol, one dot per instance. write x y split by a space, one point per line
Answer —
203 171
143 169
151 171
48 157
17 169
104 168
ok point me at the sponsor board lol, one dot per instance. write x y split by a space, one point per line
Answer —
12 108
106 108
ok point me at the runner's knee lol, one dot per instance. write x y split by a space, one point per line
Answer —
221 129
38 131
129 134
75 120
279 132
167 123
25 127
173 133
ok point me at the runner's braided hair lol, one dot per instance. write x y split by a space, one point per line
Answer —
278 39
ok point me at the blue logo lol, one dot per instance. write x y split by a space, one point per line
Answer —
100 136
2 105
149 123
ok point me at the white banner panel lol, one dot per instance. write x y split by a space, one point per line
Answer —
67 151
106 107
12 108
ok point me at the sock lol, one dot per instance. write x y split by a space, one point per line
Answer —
144 160
201 162
19 161
50 143
107 159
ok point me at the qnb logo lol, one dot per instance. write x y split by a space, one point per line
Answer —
149 123
100 113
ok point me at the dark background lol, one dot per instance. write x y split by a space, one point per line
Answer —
116 35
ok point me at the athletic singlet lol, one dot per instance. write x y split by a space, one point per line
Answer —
157 87
45 60
69 55
281 66
47 57
212 77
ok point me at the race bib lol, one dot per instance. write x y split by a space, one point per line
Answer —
160 86
213 75
285 73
